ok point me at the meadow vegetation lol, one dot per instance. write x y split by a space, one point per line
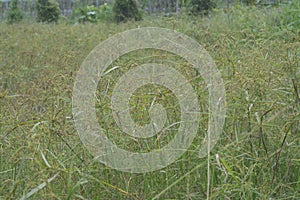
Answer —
257 51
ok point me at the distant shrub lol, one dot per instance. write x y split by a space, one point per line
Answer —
250 2
47 11
106 12
93 14
14 14
200 7
126 9
86 14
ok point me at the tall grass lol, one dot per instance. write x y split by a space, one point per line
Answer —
257 156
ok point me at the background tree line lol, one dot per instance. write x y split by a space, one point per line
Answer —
118 10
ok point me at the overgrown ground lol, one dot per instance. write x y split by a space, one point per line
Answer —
258 152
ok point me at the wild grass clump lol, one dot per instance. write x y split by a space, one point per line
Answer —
257 156
290 18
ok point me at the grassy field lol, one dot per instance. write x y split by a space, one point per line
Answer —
257 156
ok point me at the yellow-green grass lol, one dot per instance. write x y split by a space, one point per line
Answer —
258 152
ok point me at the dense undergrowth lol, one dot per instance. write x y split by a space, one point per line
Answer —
257 156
